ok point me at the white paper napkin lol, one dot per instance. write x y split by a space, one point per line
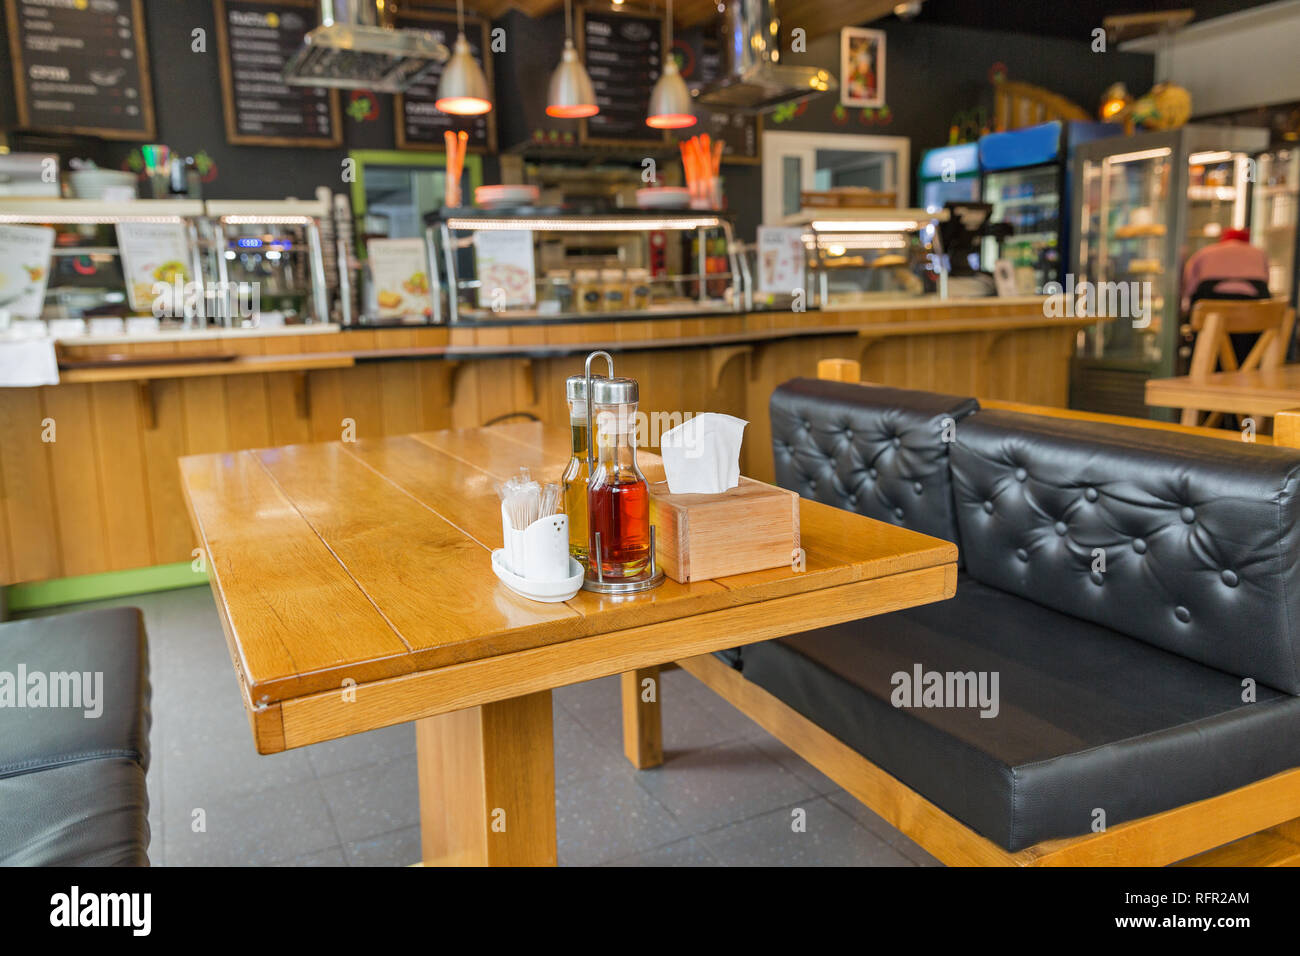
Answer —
702 455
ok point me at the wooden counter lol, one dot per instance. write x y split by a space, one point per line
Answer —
105 494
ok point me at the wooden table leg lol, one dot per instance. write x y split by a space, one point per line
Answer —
487 784
643 736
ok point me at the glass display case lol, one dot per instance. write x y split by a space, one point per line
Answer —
560 262
274 248
1144 204
89 283
860 256
1274 196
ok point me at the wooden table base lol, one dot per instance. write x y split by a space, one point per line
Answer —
487 784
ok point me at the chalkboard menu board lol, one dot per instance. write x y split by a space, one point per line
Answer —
741 134
623 53
81 67
256 38
419 124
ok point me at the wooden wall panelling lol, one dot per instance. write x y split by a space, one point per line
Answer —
288 425
173 538
78 508
248 412
399 395
123 487
328 406
29 515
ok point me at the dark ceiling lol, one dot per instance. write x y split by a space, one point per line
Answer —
1073 18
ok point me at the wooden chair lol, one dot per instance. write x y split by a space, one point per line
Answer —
1215 320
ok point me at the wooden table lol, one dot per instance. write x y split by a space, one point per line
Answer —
1261 392
355 590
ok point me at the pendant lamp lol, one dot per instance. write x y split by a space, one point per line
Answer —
670 100
463 89
570 95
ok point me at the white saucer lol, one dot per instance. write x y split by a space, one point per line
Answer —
549 592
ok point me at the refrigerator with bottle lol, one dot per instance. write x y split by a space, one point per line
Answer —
949 173
1274 192
1026 178
1144 204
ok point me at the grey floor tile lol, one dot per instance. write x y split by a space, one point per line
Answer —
398 848
688 852
831 838
712 788
368 801
609 817
330 856
579 755
362 750
254 829
877 825
792 762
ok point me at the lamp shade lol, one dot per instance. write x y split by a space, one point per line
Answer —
571 95
463 88
670 101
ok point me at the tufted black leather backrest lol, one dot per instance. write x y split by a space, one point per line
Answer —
1200 537
878 451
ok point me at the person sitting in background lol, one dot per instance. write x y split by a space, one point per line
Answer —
1230 269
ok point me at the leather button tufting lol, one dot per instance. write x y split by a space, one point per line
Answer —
848 434
1022 554
1188 515
1140 546
988 507
1021 474
873 473
897 442
1229 577
1182 614
1096 578
1090 494
898 513
1060 527
917 487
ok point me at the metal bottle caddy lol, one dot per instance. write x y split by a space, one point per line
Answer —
653 576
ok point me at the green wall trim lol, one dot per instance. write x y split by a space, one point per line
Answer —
95 587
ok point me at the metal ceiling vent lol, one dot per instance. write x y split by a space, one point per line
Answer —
357 47
755 79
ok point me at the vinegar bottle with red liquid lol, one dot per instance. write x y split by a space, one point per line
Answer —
620 544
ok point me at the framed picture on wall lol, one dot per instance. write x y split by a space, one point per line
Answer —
862 67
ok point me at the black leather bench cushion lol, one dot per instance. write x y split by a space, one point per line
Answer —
1200 536
882 452
91 813
1088 719
110 642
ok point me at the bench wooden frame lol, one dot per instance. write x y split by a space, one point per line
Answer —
1254 825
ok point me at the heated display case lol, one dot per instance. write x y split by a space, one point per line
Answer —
857 256
1144 204
563 262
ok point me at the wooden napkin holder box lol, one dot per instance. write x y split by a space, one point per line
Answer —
751 527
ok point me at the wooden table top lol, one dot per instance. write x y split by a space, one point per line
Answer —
354 582
1263 392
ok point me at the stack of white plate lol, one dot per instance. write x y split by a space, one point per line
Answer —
663 197
492 196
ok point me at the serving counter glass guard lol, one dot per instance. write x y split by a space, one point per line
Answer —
561 263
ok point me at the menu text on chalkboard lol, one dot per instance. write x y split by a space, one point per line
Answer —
623 53
81 67
420 124
256 38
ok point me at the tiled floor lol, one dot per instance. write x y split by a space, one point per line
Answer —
728 793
